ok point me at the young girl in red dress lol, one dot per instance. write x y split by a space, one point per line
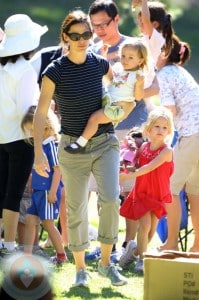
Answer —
146 201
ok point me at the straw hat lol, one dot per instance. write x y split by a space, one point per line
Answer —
21 35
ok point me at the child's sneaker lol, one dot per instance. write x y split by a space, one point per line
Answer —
5 253
139 266
128 255
116 255
57 261
37 250
94 255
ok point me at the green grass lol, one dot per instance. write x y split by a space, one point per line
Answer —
100 287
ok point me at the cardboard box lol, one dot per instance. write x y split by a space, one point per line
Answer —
171 276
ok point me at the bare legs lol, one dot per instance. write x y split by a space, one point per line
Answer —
49 226
63 223
10 221
63 218
147 227
131 229
173 222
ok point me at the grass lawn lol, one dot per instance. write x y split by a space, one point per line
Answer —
100 287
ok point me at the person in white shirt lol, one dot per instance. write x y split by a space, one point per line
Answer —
18 91
179 92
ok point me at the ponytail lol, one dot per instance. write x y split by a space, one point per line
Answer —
167 32
158 14
180 52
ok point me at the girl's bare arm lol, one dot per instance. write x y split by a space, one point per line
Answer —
165 155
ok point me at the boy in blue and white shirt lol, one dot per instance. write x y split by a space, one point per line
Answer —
46 191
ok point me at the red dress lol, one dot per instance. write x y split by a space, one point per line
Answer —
152 190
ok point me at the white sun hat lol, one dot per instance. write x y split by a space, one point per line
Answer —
21 35
1 34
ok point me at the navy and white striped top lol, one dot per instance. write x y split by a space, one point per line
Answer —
78 91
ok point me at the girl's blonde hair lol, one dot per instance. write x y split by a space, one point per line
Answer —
138 45
52 123
159 112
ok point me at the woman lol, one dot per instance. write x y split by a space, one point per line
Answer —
180 93
18 91
75 80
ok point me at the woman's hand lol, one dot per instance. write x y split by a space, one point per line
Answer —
41 165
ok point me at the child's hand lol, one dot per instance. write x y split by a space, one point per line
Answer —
135 3
139 86
104 50
125 176
52 198
139 78
130 168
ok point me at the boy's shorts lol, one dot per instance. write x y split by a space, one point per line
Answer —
42 208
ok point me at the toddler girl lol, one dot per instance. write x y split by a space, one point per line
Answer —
147 199
127 85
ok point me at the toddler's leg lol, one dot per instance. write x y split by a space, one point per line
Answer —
95 119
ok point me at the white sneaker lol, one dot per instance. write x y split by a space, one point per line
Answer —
129 255
116 255
139 267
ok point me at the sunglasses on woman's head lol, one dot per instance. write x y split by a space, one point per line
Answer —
74 36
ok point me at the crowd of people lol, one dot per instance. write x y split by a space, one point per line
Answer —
101 82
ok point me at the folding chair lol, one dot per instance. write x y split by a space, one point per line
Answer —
162 229
185 231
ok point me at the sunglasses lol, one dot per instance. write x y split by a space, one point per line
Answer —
74 36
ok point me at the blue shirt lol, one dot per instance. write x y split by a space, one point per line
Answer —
50 149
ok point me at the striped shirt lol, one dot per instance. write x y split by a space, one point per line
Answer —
78 91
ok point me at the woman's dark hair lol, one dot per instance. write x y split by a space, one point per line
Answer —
74 17
180 52
14 58
158 13
107 6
